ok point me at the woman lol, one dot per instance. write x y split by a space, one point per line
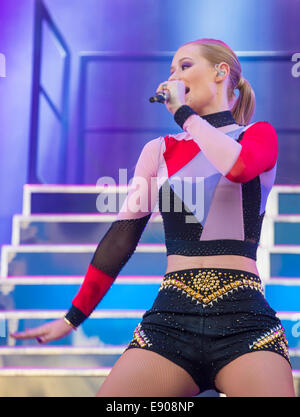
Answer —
210 326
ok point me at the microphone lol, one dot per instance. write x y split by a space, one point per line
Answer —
160 97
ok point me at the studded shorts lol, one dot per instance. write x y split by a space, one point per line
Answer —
203 318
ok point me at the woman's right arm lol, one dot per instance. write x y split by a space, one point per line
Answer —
114 250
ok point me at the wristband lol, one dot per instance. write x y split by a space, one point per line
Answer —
69 323
182 114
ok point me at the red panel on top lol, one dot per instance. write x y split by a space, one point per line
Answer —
178 153
258 154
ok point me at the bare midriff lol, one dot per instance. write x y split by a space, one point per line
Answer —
179 262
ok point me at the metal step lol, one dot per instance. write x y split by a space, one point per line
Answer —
51 383
74 383
107 330
85 228
280 229
54 357
283 199
103 327
148 259
81 229
69 357
127 292
68 198
278 260
283 293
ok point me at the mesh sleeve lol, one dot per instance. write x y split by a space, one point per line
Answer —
118 245
120 241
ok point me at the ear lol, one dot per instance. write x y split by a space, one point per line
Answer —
222 71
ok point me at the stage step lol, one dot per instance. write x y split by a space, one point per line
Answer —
148 259
53 357
104 326
127 292
278 261
283 199
89 228
44 292
283 293
41 382
105 329
79 229
48 199
67 380
56 383
70 357
53 242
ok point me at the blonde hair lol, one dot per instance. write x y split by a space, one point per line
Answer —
216 51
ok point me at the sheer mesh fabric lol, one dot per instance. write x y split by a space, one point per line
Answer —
121 239
118 245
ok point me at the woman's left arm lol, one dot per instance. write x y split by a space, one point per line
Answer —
241 161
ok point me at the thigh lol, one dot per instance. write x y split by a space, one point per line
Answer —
144 373
256 374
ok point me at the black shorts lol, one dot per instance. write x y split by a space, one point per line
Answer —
203 318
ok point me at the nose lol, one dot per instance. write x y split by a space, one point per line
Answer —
174 77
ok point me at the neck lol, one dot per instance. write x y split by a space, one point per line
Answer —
220 118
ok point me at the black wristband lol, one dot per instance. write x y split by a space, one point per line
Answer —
75 316
182 114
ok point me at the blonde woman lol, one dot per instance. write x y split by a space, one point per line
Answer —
210 326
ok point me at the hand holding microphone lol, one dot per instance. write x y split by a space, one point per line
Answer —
172 93
160 97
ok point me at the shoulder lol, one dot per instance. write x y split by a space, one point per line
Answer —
151 152
260 126
153 144
151 147
259 129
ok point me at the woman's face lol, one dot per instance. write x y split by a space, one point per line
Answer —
198 76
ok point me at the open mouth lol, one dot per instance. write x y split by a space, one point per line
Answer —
187 90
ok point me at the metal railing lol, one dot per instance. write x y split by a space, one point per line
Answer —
42 16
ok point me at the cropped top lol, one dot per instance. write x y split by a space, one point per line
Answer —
209 213
208 209
210 188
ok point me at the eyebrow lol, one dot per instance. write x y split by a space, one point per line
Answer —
186 57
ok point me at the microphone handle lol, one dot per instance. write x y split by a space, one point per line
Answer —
160 98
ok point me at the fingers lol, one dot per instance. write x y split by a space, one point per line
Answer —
162 86
28 334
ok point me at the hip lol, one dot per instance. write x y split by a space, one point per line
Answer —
212 292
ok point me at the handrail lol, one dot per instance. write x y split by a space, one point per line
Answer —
42 15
